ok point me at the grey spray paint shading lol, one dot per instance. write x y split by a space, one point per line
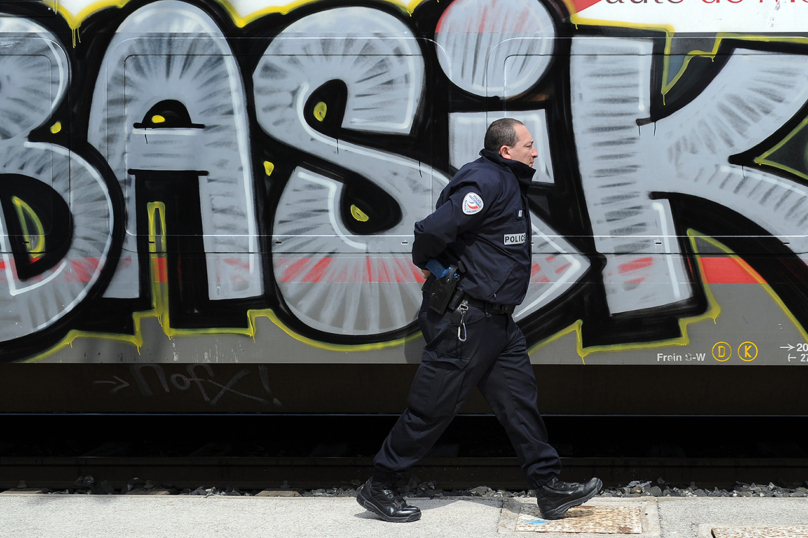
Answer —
172 50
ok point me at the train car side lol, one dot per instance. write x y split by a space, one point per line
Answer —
209 206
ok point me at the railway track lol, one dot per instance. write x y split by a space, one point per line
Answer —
253 473
309 452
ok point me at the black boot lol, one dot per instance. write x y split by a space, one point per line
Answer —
382 498
556 497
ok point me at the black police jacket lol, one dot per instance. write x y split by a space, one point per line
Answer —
482 218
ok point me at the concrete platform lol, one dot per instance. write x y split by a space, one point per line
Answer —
52 516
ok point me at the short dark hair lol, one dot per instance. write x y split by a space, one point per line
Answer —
501 133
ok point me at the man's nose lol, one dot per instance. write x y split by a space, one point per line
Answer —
534 153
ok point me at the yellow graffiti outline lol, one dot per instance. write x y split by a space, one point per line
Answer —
762 159
24 209
160 309
746 267
669 30
243 20
713 310
75 20
577 20
719 37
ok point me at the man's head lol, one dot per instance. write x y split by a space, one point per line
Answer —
511 140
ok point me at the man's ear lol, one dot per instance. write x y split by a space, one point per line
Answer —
505 152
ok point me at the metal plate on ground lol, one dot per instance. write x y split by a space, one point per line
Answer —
597 518
753 531
588 519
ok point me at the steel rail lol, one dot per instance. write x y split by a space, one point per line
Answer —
454 473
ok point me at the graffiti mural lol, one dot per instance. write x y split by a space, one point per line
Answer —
57 211
168 114
203 181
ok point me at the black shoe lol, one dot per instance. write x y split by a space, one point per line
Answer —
384 501
556 497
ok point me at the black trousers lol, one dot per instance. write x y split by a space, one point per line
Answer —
493 358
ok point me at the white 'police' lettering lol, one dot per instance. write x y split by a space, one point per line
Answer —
472 203
514 239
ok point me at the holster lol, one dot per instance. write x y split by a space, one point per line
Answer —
442 290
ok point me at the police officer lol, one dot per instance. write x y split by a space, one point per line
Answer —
479 241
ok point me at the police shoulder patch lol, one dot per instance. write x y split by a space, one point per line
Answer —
472 203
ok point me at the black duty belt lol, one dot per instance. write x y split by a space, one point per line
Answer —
490 307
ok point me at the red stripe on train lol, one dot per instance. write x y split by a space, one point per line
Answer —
723 270
717 270
635 265
395 270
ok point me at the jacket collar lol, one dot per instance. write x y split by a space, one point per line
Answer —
523 172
